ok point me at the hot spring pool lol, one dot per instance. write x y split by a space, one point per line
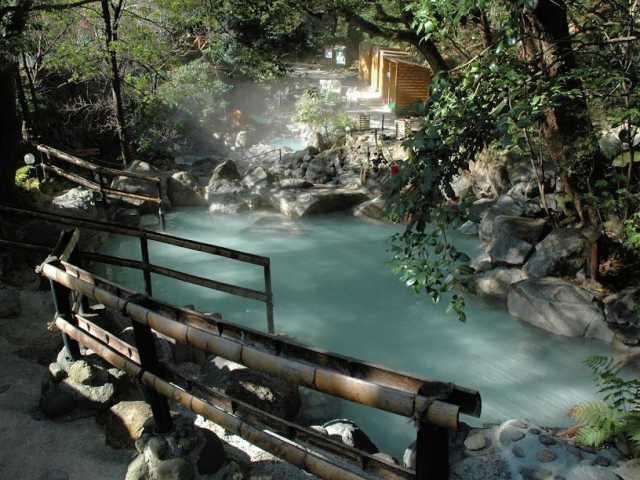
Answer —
333 290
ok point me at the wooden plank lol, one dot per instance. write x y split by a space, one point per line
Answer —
60 155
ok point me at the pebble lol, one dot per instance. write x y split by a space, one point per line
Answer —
575 451
509 435
547 440
529 473
545 455
518 451
475 441
601 461
534 431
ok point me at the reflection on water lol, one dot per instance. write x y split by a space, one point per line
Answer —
333 290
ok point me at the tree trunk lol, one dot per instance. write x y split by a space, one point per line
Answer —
566 127
116 84
9 131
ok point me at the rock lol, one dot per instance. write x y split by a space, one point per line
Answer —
217 368
479 208
559 307
137 469
610 144
504 206
409 457
257 176
93 397
622 311
79 198
185 191
316 407
601 461
301 203
481 262
268 393
548 440
629 470
469 229
57 372
586 472
268 470
496 283
350 434
139 186
559 254
475 441
83 373
9 303
174 469
511 238
212 457
227 170
509 435
124 422
518 451
535 473
295 183
485 467
373 209
545 455
231 471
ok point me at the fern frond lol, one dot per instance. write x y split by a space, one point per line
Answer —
592 437
595 413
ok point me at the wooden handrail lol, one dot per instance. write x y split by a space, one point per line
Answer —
114 172
317 377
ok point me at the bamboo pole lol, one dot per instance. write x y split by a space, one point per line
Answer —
318 378
279 446
368 462
468 400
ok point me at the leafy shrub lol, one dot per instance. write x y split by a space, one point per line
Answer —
618 413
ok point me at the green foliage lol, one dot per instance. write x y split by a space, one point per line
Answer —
317 109
23 181
181 110
632 232
619 411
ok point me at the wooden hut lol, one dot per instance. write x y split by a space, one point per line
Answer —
408 82
384 75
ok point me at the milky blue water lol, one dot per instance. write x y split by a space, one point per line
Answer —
292 143
333 290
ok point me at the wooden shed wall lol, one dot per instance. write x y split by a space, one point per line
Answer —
411 84
385 56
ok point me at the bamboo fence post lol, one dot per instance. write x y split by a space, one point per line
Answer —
144 250
269 302
432 452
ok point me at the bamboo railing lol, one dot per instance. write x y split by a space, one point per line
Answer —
145 265
98 172
432 405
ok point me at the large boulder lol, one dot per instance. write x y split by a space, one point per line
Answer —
268 393
258 176
495 283
505 205
227 196
142 187
622 311
372 209
559 307
79 199
124 422
350 434
227 170
512 238
301 203
185 191
561 253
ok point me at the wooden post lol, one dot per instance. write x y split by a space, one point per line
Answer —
160 212
144 250
62 294
269 303
148 356
432 452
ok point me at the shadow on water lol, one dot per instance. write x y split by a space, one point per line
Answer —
333 290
